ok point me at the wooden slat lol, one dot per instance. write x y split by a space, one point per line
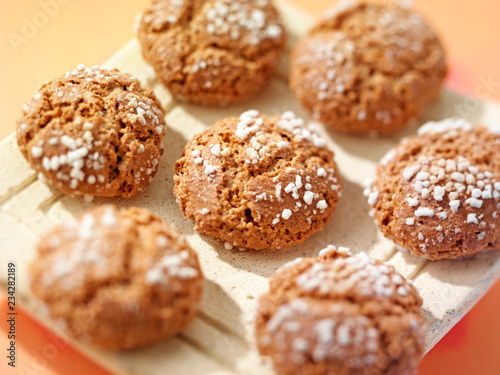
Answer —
450 289
15 173
26 206
407 265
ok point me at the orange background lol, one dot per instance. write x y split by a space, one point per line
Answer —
90 31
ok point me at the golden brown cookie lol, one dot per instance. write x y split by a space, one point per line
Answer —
93 131
340 314
258 182
214 52
118 280
437 194
367 68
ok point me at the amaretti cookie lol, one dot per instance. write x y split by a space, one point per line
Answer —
437 194
92 132
258 182
367 68
214 52
340 314
118 280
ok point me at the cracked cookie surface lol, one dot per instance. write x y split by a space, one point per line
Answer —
214 52
367 68
118 280
258 182
437 194
93 132
340 314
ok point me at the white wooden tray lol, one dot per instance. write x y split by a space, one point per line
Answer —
221 339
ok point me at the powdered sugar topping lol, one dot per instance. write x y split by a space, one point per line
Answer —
324 338
86 249
242 19
74 159
297 126
444 126
345 275
171 266
318 324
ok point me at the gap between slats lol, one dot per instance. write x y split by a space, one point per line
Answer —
13 191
